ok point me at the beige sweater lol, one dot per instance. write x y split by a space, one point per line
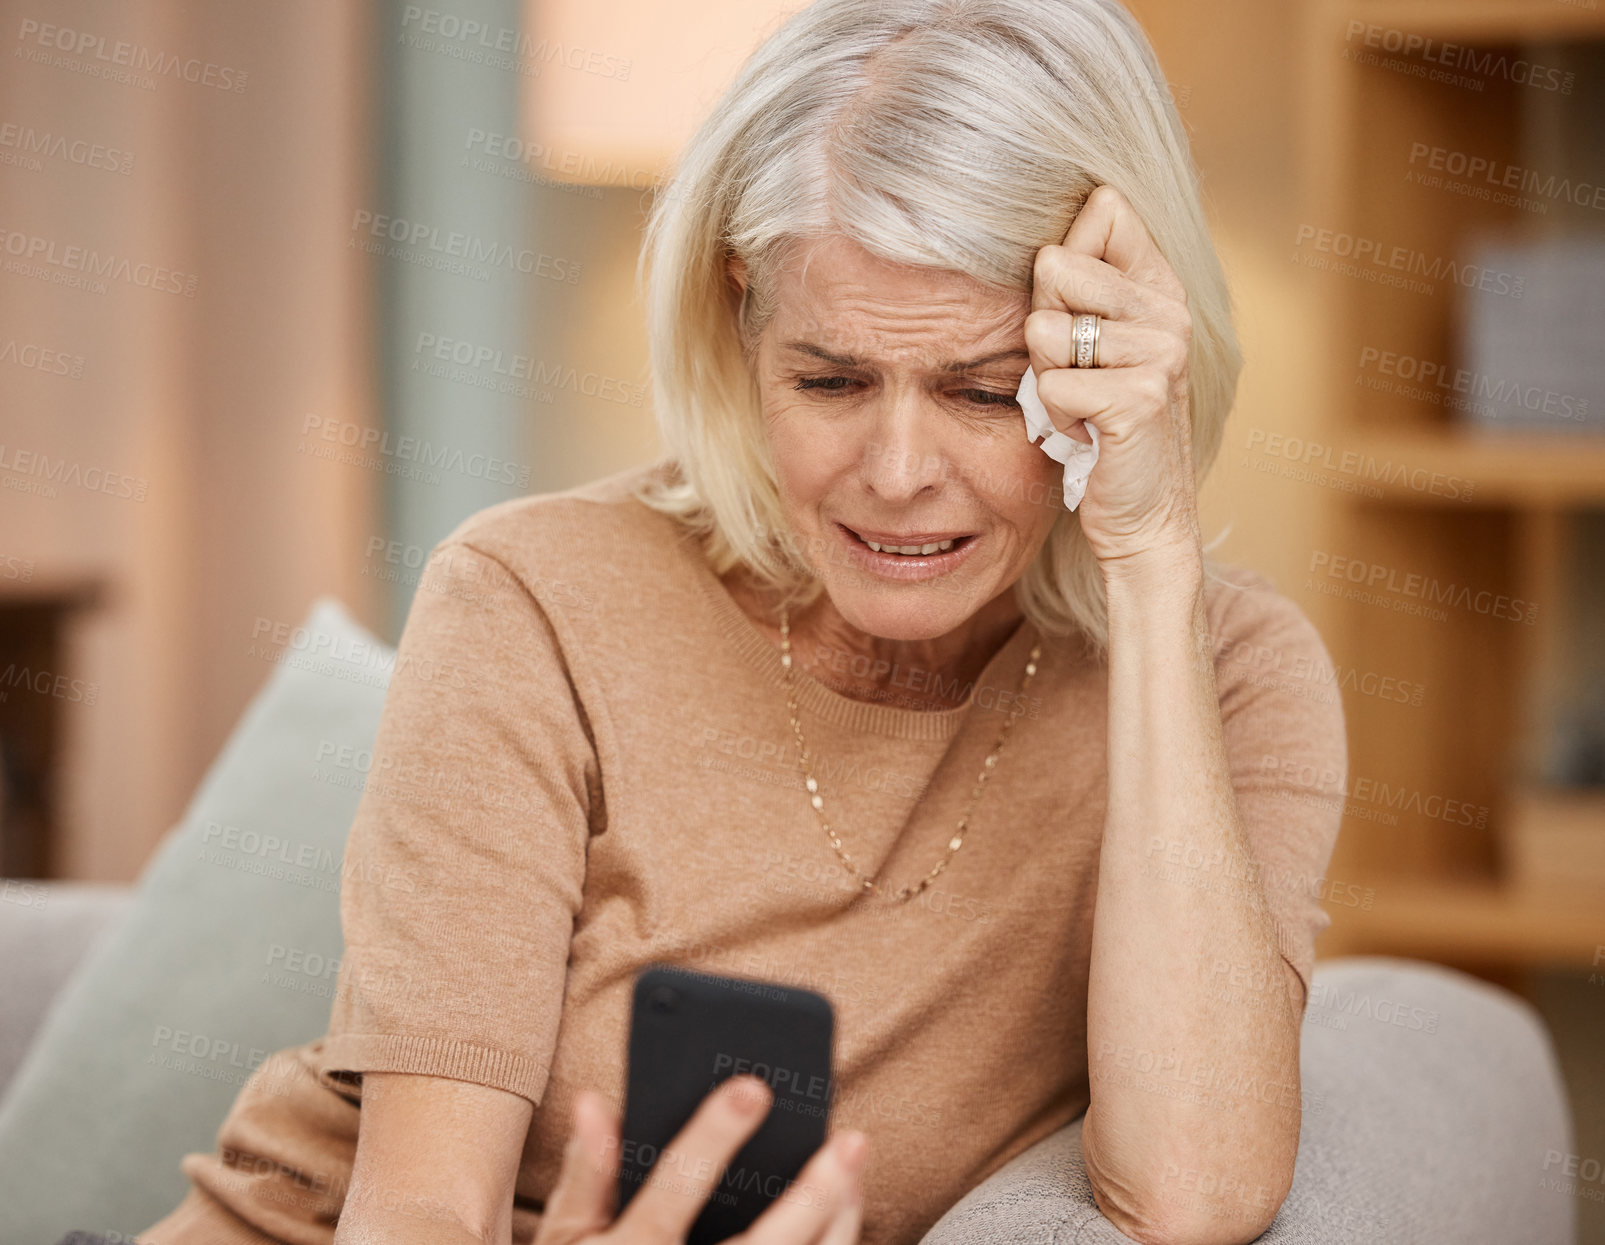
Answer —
585 765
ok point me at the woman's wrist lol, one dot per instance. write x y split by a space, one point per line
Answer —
400 1227
1170 572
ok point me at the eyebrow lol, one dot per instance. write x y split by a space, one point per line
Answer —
849 360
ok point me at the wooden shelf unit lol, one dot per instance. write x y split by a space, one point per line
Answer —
1477 922
1526 471
1483 22
1443 890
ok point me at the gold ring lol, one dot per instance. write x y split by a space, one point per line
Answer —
1085 330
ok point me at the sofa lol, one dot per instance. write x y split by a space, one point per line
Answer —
1434 1106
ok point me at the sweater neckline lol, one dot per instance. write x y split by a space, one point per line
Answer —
825 702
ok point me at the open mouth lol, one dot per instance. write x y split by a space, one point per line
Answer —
913 545
912 554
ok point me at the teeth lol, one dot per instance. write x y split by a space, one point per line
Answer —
913 550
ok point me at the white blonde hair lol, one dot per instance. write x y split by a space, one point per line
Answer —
960 134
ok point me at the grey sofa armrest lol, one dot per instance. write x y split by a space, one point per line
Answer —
45 930
1434 1111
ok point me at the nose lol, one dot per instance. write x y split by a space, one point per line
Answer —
902 458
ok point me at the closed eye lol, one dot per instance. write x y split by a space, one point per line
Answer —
824 382
976 397
986 397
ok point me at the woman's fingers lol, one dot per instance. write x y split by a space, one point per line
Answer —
849 1222
1120 344
1116 400
823 1205
582 1203
1066 280
1108 228
691 1166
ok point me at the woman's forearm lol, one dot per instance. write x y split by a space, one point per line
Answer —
381 1226
436 1163
1194 1116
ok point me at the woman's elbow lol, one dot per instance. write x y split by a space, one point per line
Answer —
1167 1224
1185 1208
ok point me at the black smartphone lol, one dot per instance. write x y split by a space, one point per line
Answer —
689 1033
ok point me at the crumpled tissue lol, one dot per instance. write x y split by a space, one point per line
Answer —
1077 456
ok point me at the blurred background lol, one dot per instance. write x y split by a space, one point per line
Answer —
287 291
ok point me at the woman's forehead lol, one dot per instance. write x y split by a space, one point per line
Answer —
836 263
848 326
863 347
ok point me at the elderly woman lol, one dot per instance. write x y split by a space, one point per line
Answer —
840 693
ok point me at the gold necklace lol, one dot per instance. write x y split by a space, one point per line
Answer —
903 893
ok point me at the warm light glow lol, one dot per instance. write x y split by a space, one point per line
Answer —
620 87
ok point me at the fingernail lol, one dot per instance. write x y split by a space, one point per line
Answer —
853 1148
750 1095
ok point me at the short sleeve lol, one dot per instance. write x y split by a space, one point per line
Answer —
1282 718
465 865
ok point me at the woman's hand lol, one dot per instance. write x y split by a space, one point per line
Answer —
823 1206
1141 497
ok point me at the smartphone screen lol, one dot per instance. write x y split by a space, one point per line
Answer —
690 1032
